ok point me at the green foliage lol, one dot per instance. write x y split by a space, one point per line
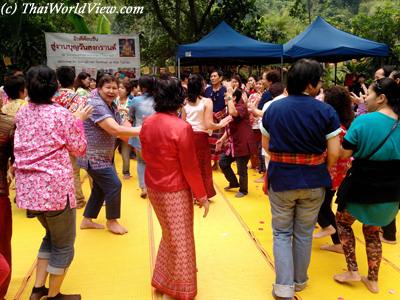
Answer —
361 66
298 10
79 23
278 28
383 25
166 24
103 25
22 36
170 23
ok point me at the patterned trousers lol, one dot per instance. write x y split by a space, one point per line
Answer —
373 244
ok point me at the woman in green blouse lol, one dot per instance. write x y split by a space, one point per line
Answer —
371 194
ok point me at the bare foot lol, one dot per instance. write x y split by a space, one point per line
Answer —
114 227
259 180
333 248
383 240
348 276
327 231
372 286
89 224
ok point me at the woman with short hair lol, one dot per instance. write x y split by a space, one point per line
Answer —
239 141
168 147
297 132
101 130
45 135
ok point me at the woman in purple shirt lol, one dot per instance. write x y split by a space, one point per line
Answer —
101 131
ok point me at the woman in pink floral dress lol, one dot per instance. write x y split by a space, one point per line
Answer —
45 135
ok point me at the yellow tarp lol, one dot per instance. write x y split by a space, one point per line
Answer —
233 246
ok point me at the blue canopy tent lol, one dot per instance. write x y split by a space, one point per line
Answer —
324 42
224 45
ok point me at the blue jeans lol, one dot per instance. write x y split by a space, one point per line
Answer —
294 215
106 187
141 167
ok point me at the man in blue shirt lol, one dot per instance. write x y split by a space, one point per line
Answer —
297 131
268 78
216 92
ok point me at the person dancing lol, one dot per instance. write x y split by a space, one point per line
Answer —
172 175
216 92
101 130
297 131
6 151
198 112
370 192
142 107
339 98
45 135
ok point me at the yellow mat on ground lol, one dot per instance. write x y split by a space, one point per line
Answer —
105 266
229 264
232 264
254 209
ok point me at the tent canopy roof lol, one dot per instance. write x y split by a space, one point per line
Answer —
226 43
325 42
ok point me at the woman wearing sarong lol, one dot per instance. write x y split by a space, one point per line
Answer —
198 112
370 192
172 175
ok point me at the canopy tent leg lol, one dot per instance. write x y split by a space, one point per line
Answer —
335 73
179 68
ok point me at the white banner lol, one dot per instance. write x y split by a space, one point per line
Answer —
92 52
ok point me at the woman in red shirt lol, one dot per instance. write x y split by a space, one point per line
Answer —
172 176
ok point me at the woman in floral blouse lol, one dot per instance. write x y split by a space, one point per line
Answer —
45 135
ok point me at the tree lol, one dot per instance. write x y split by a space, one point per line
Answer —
170 23
298 10
22 36
382 26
